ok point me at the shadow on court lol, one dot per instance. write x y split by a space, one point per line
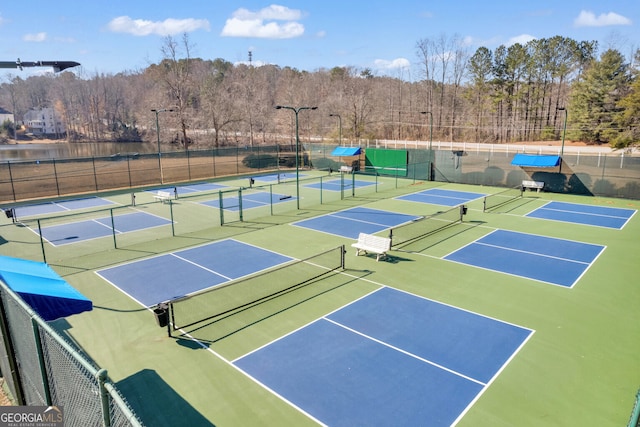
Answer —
157 403
230 324
424 243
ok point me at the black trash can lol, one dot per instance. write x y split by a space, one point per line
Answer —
162 315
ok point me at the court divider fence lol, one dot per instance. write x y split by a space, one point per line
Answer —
41 368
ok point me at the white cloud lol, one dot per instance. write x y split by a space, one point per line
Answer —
168 27
589 19
261 24
523 39
273 13
35 37
394 64
2 20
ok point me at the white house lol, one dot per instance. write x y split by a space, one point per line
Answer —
44 121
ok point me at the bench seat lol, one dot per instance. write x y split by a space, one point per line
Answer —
162 196
369 243
346 169
537 185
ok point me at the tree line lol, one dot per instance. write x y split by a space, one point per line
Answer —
542 90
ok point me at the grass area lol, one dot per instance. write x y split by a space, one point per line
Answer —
579 368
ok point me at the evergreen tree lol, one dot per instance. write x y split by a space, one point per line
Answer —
594 113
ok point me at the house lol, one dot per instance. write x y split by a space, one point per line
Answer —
6 115
44 121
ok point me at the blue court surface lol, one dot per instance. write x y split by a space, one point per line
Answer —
249 200
550 260
166 277
271 178
192 188
599 216
438 196
78 231
336 184
351 222
61 206
388 359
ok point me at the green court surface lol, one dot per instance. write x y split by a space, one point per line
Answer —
580 366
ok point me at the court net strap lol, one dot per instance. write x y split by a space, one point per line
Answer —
234 295
424 226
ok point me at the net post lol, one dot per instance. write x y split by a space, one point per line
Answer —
342 257
220 198
173 227
113 229
353 184
240 203
271 198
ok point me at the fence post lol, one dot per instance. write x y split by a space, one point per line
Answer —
44 255
13 188
55 174
41 362
101 376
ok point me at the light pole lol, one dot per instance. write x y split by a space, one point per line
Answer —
430 140
296 110
564 132
158 111
340 126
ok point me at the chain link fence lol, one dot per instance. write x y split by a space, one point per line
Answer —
602 174
43 369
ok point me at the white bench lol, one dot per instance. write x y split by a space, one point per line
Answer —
374 244
346 169
162 196
538 185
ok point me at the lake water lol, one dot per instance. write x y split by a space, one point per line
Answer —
15 152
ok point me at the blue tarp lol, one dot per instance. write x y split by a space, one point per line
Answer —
42 289
346 151
537 161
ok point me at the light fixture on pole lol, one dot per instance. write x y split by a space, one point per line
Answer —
340 126
158 111
430 141
296 110
564 132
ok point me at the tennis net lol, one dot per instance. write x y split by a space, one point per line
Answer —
424 226
494 201
226 298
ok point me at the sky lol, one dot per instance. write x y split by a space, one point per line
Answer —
126 36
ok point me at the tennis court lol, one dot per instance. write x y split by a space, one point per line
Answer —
550 260
175 275
429 359
278 177
249 200
439 196
598 216
78 231
498 319
351 222
183 190
346 182
61 206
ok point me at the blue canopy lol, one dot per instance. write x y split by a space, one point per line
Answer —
537 161
42 289
346 151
